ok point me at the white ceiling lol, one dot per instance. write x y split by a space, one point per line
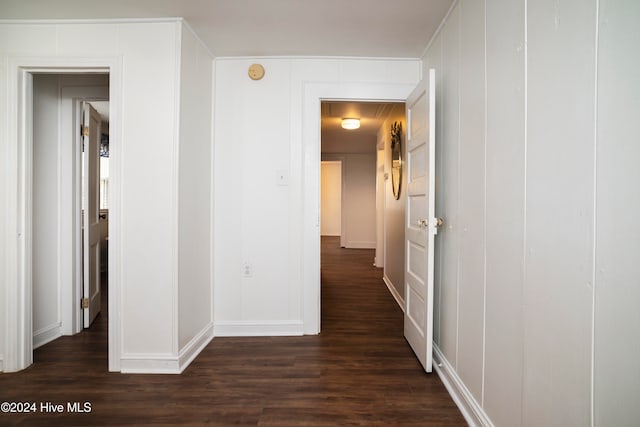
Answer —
360 28
371 115
364 28
363 140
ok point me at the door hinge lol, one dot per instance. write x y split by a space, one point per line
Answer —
85 131
84 303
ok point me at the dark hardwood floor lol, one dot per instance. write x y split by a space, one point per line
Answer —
358 372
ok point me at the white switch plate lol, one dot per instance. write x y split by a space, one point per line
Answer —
282 177
247 269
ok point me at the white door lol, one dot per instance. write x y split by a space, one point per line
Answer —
91 214
421 224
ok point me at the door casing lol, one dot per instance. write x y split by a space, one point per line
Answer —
314 94
18 334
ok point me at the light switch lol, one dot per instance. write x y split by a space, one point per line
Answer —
282 177
247 269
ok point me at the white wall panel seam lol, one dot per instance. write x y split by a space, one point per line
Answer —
484 207
212 191
441 121
458 178
59 202
524 192
175 191
116 93
595 215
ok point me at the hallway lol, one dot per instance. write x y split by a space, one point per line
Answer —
358 371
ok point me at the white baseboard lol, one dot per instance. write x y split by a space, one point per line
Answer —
166 363
394 292
258 329
471 410
46 335
194 347
1 363
349 244
149 364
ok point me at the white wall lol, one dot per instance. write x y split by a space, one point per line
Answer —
359 198
617 231
195 319
331 198
258 132
148 199
380 200
46 292
394 210
533 160
144 229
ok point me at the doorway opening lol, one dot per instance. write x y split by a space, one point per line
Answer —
357 201
314 95
69 197
61 201
421 224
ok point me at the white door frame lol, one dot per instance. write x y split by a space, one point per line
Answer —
18 333
314 94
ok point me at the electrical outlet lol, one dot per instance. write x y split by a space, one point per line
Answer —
247 270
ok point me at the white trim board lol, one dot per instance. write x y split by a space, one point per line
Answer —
194 347
89 21
471 410
351 244
46 335
18 307
258 329
141 363
394 292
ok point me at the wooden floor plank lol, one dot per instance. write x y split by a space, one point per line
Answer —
358 372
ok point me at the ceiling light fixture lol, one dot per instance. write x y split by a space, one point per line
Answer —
350 123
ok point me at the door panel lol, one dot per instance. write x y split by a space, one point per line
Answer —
421 224
417 269
418 159
91 214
